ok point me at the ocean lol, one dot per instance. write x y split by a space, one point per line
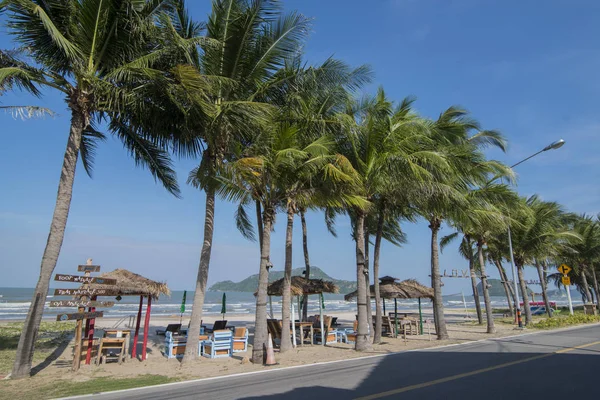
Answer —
15 302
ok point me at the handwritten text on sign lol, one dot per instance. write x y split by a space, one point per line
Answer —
85 292
74 303
84 279
78 316
88 268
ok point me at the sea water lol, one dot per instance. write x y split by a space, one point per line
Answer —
15 303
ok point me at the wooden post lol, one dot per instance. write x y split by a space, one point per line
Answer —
383 305
137 329
323 338
396 316
79 327
271 306
89 329
146 327
293 325
420 318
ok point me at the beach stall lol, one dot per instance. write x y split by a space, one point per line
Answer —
132 284
301 286
389 288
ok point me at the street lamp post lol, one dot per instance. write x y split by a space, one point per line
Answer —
551 146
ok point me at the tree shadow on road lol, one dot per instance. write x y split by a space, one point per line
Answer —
447 374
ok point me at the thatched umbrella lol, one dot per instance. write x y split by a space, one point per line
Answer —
407 289
132 284
301 286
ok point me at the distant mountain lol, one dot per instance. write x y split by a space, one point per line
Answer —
497 288
250 284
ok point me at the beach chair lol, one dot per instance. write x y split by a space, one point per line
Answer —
387 326
220 344
217 326
274 326
348 335
330 334
173 328
175 344
240 340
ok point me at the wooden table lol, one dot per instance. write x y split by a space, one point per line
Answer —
303 325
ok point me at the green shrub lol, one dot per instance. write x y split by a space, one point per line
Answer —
557 322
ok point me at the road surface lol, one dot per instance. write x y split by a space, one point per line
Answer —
547 365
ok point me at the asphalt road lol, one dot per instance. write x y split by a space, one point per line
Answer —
548 365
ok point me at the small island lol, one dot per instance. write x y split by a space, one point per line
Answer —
251 283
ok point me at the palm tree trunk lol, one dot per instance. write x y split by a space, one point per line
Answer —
362 336
259 224
368 284
484 286
586 286
191 348
474 284
596 287
378 315
524 294
286 299
306 262
543 285
25 348
378 236
436 282
507 288
260 330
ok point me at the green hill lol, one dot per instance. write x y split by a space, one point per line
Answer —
251 283
497 288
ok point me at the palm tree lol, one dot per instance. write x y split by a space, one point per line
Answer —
256 39
382 150
97 54
445 197
485 218
586 252
542 235
262 173
495 256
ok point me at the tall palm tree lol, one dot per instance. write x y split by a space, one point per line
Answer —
97 54
256 38
445 198
262 173
586 252
381 150
540 236
485 218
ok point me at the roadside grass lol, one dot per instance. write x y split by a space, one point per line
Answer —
51 336
560 321
31 389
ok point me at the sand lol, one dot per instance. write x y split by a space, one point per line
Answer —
459 329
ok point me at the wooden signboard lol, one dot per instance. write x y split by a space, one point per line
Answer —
86 292
79 316
84 279
76 303
88 268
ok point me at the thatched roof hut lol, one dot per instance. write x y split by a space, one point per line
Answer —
389 289
130 283
302 286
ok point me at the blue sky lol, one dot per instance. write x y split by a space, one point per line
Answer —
530 69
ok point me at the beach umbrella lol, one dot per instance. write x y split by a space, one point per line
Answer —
182 308
223 305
